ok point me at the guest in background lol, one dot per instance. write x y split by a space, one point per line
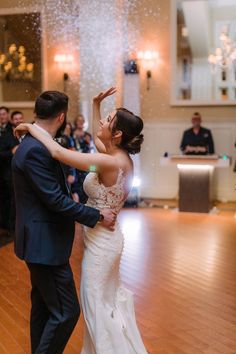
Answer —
8 145
83 143
4 127
83 139
4 121
79 123
197 140
9 142
16 119
67 136
71 173
5 124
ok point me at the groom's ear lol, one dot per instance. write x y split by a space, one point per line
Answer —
61 117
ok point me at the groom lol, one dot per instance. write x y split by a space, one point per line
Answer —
45 216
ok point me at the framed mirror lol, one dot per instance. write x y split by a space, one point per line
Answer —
21 74
203 52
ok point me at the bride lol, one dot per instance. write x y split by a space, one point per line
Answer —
107 306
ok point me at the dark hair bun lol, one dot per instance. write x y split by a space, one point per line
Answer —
134 145
131 127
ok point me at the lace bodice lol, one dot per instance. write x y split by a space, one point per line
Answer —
100 196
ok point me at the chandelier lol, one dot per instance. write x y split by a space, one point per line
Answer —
14 65
225 55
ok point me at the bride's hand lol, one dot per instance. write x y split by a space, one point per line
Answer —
102 95
22 129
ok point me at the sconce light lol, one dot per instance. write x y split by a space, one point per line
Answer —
148 59
64 61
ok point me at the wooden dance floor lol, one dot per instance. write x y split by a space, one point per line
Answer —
181 268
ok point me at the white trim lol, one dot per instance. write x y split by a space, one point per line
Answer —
20 104
175 102
44 76
173 68
164 123
19 10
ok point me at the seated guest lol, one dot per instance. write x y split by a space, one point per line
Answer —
8 146
197 140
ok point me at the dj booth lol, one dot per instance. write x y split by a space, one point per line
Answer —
195 179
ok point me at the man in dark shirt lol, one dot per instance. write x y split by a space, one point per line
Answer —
5 125
197 140
8 145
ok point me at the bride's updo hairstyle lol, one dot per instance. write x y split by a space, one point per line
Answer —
131 127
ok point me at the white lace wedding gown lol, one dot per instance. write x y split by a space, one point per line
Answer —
107 306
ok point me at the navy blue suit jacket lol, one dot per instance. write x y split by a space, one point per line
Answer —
45 212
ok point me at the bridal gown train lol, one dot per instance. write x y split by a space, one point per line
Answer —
107 306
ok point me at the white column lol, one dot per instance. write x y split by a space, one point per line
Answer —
131 101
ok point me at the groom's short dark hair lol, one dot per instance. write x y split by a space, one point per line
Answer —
50 104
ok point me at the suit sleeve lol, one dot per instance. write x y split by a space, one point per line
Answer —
183 142
211 144
39 172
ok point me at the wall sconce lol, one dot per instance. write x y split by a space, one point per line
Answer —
64 61
148 59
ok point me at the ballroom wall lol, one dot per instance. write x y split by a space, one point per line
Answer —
154 34
155 104
52 73
165 123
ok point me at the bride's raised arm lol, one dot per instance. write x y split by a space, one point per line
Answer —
97 117
86 162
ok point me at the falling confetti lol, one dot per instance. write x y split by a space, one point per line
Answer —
104 34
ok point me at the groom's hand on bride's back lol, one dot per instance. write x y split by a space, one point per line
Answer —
109 218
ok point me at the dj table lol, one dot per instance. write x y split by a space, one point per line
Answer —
195 179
